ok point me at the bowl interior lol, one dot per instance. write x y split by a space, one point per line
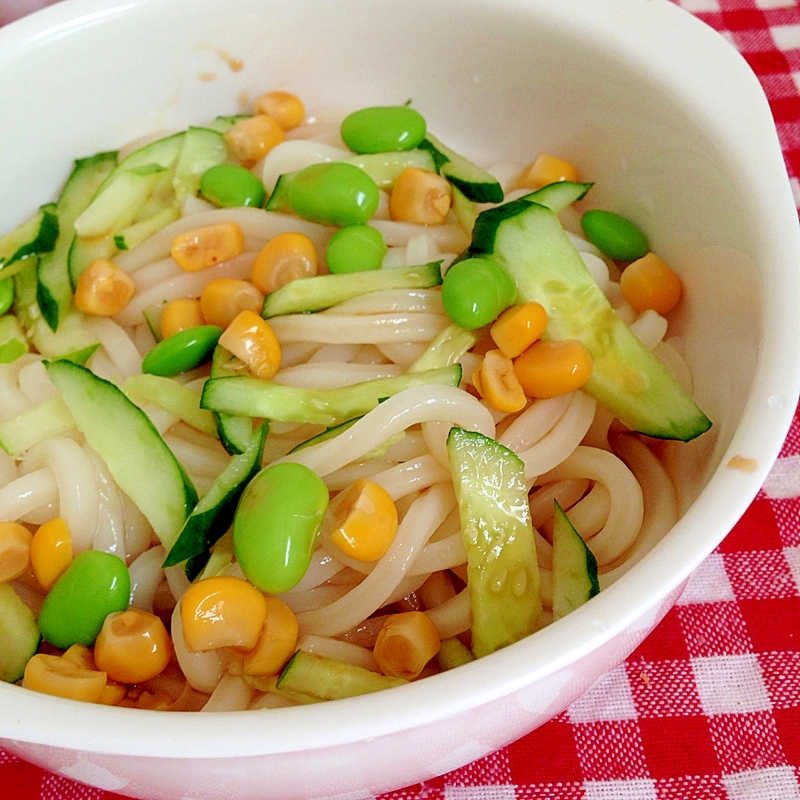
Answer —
611 87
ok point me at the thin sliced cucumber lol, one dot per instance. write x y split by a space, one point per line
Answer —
574 567
503 571
234 431
465 211
13 341
324 291
213 515
224 124
474 182
528 240
203 148
137 457
318 678
245 396
33 238
51 418
447 348
54 290
558 196
19 634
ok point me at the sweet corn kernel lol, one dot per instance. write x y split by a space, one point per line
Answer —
133 646
518 327
223 298
80 655
103 289
283 259
649 283
252 138
222 612
421 197
497 383
180 315
251 339
63 678
205 247
278 640
546 169
51 552
550 369
284 107
15 550
365 521
405 644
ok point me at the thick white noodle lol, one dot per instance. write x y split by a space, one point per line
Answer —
138 531
590 513
627 505
342 478
453 616
598 269
443 554
314 599
13 401
332 375
254 222
202 670
295 154
102 366
8 468
27 494
666 352
411 476
650 327
195 458
421 249
407 408
392 301
352 329
35 383
562 439
422 519
322 568
343 353
146 575
449 238
118 346
567 492
230 694
78 496
403 354
109 535
534 422
346 652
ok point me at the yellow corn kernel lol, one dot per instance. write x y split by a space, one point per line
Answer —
365 521
648 283
103 289
497 384
63 678
222 611
113 694
180 315
252 138
518 327
406 643
284 107
80 655
205 247
283 259
421 197
15 550
133 646
278 640
223 298
546 169
550 369
51 552
250 338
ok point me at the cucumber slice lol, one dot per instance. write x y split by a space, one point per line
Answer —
324 291
464 210
33 238
224 124
234 431
528 240
137 457
558 196
316 678
213 515
503 571
48 419
383 168
245 396
13 342
574 567
474 182
54 290
447 348
202 149
19 634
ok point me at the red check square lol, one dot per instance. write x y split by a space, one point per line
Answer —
678 746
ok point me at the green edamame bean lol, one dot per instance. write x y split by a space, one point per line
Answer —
276 525
614 235
383 129
182 351
476 291
333 194
6 295
95 585
228 185
355 248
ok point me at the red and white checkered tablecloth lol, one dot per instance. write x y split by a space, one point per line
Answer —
708 707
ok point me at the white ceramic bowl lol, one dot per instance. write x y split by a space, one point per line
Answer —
649 103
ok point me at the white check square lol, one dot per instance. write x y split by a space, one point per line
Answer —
709 583
609 699
731 684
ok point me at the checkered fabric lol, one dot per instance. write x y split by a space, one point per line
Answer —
708 707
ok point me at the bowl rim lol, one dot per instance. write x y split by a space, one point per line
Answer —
29 717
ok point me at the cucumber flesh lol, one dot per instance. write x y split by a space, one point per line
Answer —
137 457
19 634
202 149
234 431
48 419
318 678
213 515
472 181
54 290
224 124
574 567
558 196
324 291
246 396
13 342
447 348
33 238
502 567
528 240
